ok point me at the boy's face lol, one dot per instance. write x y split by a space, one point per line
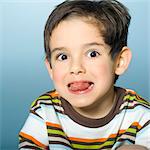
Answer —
82 69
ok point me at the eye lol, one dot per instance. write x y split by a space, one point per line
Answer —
61 57
93 53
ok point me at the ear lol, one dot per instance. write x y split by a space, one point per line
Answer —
49 68
123 60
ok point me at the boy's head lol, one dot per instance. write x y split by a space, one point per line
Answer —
109 16
85 44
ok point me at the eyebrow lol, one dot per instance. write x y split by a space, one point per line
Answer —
57 49
84 46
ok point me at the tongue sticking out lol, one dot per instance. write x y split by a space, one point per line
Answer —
79 86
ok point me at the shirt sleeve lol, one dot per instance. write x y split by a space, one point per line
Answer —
143 136
34 135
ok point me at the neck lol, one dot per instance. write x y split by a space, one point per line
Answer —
100 108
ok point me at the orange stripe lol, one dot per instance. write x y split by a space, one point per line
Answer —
95 140
53 94
137 124
86 140
53 124
131 91
122 131
33 139
138 97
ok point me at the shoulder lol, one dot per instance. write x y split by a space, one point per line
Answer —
135 109
134 104
134 99
48 98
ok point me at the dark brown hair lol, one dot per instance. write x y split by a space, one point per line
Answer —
111 17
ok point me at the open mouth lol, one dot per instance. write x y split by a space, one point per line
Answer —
80 87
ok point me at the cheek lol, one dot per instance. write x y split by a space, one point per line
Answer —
103 70
58 74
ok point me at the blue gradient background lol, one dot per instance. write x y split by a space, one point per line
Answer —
23 75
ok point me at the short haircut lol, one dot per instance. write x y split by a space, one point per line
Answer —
110 16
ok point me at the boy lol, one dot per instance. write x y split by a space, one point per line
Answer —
86 50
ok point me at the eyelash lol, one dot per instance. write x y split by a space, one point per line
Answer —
59 56
91 51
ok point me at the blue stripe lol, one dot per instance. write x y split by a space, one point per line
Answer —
59 147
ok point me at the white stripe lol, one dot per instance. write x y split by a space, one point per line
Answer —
59 147
127 136
36 129
25 144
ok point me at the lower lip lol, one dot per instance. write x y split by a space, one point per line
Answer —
89 89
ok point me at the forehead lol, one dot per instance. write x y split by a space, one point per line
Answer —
77 31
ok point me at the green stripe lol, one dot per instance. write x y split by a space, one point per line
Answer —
42 97
131 98
88 147
58 132
131 130
56 101
20 138
33 103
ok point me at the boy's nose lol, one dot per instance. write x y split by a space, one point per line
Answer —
77 68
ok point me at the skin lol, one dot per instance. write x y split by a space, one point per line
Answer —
76 41
79 54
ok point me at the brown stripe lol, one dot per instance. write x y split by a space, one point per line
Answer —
94 123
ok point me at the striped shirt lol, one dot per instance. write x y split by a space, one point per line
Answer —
53 124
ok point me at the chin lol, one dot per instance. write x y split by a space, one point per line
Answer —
81 103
